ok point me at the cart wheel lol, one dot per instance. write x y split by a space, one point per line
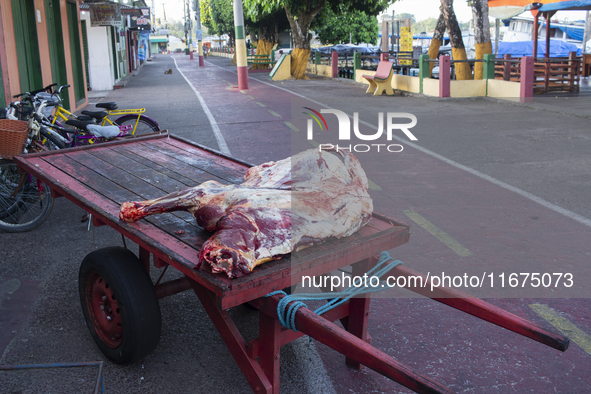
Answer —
119 304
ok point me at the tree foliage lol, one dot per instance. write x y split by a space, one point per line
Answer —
218 16
205 14
176 28
335 28
424 26
405 15
265 24
301 13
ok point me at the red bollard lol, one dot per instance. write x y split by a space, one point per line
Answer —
384 57
334 64
526 89
444 76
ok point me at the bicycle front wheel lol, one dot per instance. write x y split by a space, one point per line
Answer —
29 207
145 125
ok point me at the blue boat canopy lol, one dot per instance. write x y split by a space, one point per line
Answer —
558 48
573 5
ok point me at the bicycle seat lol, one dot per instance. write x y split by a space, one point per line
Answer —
110 106
104 131
84 117
79 124
98 115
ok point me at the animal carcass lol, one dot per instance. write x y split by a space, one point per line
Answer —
280 207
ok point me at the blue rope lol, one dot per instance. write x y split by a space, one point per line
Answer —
287 312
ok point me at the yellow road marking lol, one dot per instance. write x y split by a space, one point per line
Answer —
438 233
563 325
261 104
243 91
372 185
291 126
274 113
250 97
316 144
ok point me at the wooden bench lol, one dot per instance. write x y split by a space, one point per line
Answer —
259 59
382 80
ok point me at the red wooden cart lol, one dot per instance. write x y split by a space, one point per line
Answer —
118 296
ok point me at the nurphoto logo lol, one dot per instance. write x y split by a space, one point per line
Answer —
345 130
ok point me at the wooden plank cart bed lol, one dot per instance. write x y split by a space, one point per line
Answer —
99 178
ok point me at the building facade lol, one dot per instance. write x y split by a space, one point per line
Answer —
64 42
41 43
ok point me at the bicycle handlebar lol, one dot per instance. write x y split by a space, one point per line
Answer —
47 89
60 89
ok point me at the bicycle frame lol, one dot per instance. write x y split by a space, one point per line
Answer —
61 113
137 112
64 114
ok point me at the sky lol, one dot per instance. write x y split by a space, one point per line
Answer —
422 9
174 9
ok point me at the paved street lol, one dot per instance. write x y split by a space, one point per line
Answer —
489 187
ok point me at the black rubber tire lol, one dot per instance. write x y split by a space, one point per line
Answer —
53 142
28 209
134 296
144 126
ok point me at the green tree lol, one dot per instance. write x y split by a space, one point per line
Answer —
424 26
300 14
265 28
404 15
205 14
176 28
335 28
218 17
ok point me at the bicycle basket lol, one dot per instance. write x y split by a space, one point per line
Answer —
13 136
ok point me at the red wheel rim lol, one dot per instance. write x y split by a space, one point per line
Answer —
103 310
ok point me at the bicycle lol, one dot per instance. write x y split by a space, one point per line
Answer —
141 123
84 131
25 201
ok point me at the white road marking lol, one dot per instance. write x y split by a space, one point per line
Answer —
214 125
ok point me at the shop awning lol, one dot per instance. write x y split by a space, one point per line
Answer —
505 9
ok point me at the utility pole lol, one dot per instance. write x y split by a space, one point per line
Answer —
198 32
189 28
153 13
392 40
185 16
241 62
166 27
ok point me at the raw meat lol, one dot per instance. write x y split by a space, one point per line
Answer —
280 207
